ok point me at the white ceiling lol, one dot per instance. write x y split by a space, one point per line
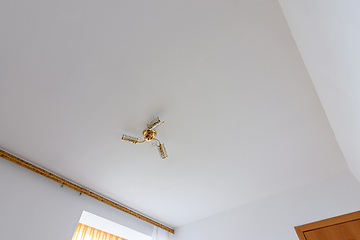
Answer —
242 118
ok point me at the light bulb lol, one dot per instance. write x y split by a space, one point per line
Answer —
131 139
154 123
162 151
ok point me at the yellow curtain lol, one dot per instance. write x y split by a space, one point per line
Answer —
84 232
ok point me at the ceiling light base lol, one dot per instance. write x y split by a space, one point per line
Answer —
149 135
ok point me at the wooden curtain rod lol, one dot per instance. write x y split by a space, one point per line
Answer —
39 170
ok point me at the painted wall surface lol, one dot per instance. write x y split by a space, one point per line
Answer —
33 207
274 218
44 210
327 34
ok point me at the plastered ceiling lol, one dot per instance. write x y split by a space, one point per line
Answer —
242 118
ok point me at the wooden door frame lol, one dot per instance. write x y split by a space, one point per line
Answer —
300 230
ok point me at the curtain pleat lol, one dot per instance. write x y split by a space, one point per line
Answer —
161 234
84 232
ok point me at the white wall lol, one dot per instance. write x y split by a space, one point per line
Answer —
34 207
274 218
327 34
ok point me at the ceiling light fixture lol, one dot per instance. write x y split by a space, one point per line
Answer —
149 135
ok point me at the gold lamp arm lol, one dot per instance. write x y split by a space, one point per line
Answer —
157 141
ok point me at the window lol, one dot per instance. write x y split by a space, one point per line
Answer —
84 232
93 227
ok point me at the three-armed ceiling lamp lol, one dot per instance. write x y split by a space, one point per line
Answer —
149 135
